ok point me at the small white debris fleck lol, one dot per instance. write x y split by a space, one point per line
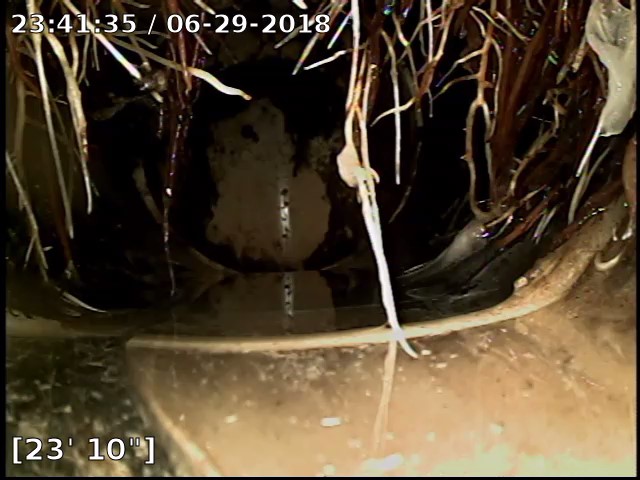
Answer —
96 395
453 355
331 422
528 355
229 419
425 352
181 417
383 465
504 330
496 428
354 443
520 283
441 365
431 437
329 469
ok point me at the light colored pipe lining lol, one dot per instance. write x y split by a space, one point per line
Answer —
549 281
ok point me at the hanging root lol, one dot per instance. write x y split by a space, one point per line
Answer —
356 171
382 415
77 113
583 183
480 102
132 69
196 72
72 56
36 44
31 218
396 103
18 134
353 162
508 47
372 221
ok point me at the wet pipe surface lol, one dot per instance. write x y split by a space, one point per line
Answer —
553 392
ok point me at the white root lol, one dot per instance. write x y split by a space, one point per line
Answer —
584 161
217 84
77 113
582 185
18 134
326 60
75 55
355 15
605 265
36 40
357 172
339 30
31 218
305 53
204 7
133 71
395 110
85 58
196 72
66 296
372 222
396 103
430 29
